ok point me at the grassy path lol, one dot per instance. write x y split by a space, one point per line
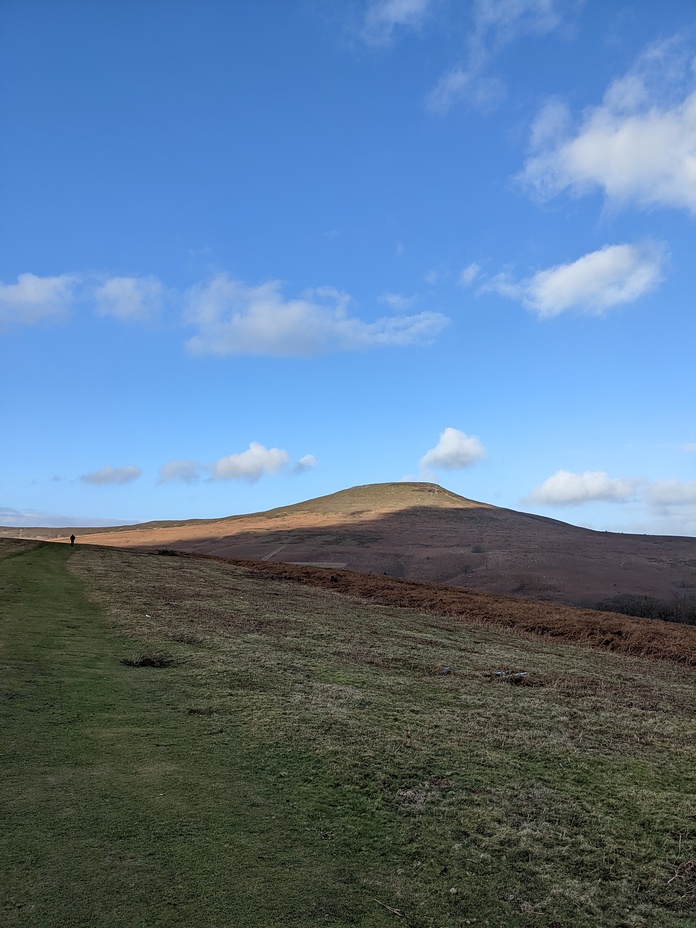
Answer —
118 809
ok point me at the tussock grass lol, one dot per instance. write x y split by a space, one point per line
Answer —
149 659
342 777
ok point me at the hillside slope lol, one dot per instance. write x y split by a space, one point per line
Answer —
422 531
189 742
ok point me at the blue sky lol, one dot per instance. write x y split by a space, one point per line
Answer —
258 251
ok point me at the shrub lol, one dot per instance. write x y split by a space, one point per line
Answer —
648 607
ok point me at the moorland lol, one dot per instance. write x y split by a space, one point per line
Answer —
189 741
420 531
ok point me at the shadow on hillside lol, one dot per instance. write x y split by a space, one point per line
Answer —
490 550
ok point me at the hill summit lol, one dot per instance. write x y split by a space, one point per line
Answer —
383 497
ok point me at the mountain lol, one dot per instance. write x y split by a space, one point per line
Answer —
422 531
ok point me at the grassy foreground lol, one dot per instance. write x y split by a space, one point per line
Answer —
312 760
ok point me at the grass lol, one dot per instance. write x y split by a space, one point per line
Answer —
149 659
309 759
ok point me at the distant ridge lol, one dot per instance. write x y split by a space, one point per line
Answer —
422 531
369 497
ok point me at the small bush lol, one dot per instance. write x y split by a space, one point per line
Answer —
477 549
149 659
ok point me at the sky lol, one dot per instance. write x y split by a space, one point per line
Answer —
257 251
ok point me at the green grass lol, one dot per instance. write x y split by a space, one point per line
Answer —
310 760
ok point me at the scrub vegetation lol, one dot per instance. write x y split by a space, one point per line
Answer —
307 758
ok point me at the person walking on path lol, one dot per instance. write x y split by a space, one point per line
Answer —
72 539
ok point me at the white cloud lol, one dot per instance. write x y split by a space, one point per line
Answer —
454 451
384 17
182 469
111 474
673 507
668 506
307 462
672 493
234 319
638 145
496 23
567 489
247 465
35 299
250 464
612 275
129 298
690 446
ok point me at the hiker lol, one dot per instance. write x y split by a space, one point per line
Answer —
72 539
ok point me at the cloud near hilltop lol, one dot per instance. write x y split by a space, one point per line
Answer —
250 465
671 503
454 451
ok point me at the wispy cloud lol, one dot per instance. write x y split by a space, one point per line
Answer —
673 506
398 302
469 274
613 275
384 18
496 23
307 462
111 474
130 299
182 470
36 299
229 316
235 319
33 518
638 145
454 451
672 493
465 83
568 489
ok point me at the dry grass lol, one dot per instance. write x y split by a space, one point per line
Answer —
605 631
563 795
